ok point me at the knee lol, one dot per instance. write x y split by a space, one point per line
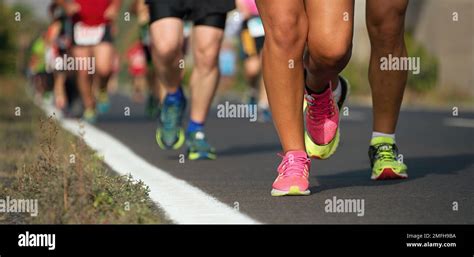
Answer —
387 29
167 52
206 58
103 69
104 72
287 34
329 50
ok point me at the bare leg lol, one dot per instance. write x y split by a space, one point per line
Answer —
252 67
60 90
286 28
385 23
167 52
329 41
205 76
103 53
84 79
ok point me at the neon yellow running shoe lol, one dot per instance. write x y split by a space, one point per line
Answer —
89 116
103 102
383 153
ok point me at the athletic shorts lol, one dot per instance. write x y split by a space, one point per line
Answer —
106 36
202 12
252 37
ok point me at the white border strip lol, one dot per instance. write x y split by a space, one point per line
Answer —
182 202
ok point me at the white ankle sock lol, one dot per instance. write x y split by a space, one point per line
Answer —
379 134
337 92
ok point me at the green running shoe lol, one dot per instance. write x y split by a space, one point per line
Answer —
383 155
170 135
103 102
199 148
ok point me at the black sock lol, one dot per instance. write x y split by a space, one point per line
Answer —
312 92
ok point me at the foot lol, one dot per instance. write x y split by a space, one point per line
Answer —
293 173
199 148
170 133
103 103
383 153
89 116
322 121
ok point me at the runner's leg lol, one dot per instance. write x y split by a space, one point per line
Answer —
329 41
329 51
286 30
168 51
205 76
103 53
385 23
84 80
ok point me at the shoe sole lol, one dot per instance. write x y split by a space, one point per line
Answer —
201 156
389 174
175 146
294 191
321 151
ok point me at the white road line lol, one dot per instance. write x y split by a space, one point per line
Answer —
182 202
459 122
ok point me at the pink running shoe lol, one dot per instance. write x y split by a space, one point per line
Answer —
322 125
293 173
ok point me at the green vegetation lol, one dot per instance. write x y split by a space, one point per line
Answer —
7 40
428 77
426 81
41 161
357 75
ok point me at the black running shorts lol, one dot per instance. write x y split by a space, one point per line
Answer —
202 12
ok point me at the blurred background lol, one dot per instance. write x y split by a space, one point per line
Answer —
437 145
439 31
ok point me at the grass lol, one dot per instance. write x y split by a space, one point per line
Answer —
41 161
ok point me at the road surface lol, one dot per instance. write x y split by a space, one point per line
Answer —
436 147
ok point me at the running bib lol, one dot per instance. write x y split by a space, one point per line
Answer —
255 27
88 35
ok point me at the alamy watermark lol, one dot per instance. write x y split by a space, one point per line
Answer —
237 111
69 63
335 205
394 63
10 205
28 239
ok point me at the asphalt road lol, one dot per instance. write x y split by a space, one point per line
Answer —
440 160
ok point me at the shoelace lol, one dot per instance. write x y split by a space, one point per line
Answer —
385 152
293 165
323 107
